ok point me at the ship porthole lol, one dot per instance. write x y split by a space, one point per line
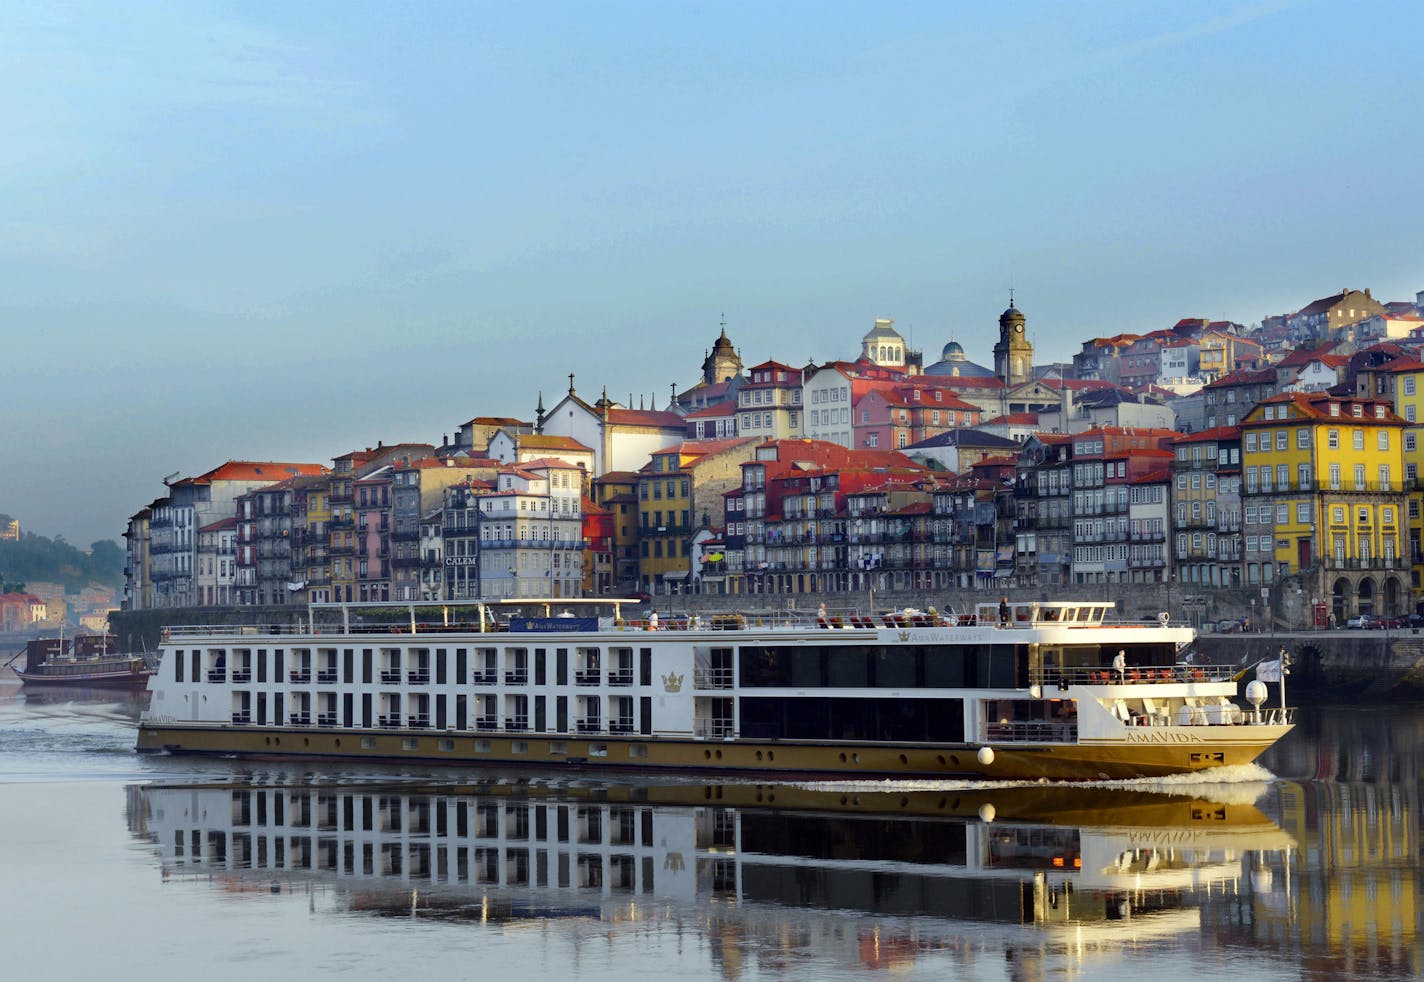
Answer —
904 759
277 741
940 758
843 799
306 741
268 741
758 755
719 755
954 758
855 758
338 741
706 755
843 758
771 755
771 797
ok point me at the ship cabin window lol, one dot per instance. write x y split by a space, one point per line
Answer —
1000 666
301 665
178 665
620 666
390 665
587 670
486 666
858 718
516 666
418 667
216 661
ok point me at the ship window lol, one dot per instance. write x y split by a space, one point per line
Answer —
947 668
445 744
637 751
896 667
368 743
911 720
178 665
848 668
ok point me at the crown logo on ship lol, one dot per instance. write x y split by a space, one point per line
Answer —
904 635
672 682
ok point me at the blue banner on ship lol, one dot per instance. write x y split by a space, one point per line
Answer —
554 624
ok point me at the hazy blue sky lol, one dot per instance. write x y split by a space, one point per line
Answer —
286 230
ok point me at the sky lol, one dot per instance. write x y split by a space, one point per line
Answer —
287 231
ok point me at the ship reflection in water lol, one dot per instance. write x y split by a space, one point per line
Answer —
873 878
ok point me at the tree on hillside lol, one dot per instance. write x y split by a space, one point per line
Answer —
35 557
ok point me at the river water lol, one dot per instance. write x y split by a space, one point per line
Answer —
119 866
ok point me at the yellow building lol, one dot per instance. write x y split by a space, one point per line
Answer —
679 491
1403 381
1324 499
311 538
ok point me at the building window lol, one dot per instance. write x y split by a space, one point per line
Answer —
1332 437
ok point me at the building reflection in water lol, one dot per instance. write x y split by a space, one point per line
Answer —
770 876
1352 805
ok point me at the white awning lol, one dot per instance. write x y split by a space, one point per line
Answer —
675 576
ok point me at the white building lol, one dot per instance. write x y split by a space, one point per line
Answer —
531 532
621 439
826 399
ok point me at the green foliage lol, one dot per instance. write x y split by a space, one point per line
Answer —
38 559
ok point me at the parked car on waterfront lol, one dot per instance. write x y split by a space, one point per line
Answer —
1365 622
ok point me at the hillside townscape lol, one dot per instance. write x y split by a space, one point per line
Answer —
1205 454
47 582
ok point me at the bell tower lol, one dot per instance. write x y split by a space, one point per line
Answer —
1013 355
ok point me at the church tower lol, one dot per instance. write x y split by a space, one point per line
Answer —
1013 355
723 362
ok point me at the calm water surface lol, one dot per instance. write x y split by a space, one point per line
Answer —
168 868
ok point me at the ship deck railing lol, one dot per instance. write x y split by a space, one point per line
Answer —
712 728
444 617
712 678
1213 715
1141 675
1032 731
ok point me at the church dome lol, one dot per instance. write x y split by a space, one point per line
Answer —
954 351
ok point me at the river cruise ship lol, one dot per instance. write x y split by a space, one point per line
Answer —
1056 690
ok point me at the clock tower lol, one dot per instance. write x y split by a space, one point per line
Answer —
1013 355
